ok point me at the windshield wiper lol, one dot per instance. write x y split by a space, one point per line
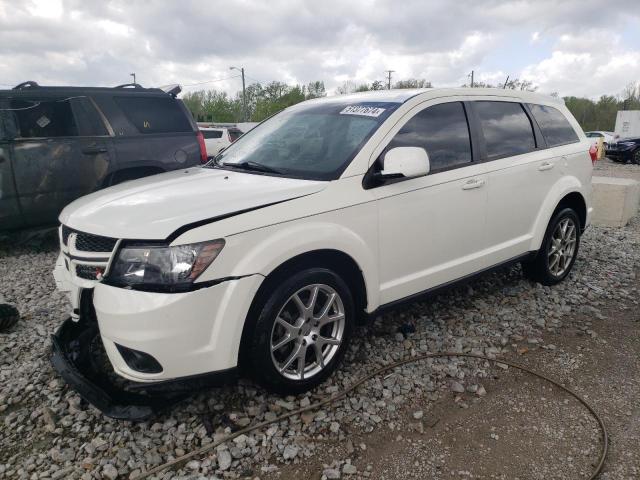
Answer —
254 166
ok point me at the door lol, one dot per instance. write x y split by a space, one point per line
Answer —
61 152
10 216
521 171
432 229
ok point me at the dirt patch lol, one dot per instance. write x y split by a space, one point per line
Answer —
524 427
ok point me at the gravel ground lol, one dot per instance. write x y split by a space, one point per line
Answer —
448 418
608 168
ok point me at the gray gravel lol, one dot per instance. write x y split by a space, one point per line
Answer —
46 431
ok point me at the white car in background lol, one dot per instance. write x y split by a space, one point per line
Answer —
607 137
325 215
219 138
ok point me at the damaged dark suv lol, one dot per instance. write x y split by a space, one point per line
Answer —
60 143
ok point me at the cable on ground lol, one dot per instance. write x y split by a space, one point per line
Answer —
340 395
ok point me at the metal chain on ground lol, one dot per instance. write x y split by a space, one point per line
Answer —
340 395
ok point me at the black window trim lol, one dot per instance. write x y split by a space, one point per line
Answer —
368 182
537 134
526 105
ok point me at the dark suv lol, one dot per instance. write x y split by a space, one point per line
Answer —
625 150
59 143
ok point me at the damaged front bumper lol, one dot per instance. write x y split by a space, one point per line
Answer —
77 355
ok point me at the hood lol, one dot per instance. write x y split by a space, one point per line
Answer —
154 207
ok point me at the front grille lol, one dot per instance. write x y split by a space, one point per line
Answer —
88 272
87 242
94 243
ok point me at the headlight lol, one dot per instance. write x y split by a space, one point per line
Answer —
159 267
627 144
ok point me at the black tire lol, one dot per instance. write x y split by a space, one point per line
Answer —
261 364
9 316
539 269
636 157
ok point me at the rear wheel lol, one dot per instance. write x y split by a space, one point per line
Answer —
302 332
636 157
559 249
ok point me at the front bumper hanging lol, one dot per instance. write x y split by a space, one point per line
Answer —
78 356
75 355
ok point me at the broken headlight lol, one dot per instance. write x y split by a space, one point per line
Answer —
160 267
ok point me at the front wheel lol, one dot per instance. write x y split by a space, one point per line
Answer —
302 332
559 249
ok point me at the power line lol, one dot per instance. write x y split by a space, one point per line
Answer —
210 81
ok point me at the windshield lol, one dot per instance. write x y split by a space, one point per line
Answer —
315 141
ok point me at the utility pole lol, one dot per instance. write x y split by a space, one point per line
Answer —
244 93
471 78
389 72
505 83
134 76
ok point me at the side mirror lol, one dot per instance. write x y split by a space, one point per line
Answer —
405 162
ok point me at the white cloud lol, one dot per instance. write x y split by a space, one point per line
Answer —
590 64
83 42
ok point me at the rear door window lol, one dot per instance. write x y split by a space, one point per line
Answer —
44 118
154 114
442 130
89 121
506 128
554 125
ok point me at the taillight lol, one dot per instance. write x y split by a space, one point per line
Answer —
593 152
203 148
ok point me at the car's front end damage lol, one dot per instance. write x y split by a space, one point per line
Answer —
122 382
164 300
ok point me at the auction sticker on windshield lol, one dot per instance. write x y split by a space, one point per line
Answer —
360 110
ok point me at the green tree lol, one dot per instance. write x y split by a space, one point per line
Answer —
413 83
315 90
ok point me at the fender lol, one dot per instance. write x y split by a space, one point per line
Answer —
262 251
560 189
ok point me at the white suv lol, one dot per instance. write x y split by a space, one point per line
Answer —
219 138
323 216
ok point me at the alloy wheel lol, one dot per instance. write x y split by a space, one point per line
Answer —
562 247
307 332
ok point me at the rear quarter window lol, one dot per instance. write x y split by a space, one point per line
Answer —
555 127
154 114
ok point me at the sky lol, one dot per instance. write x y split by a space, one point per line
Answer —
572 47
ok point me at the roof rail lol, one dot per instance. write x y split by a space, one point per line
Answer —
128 85
27 84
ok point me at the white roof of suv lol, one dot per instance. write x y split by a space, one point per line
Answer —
402 95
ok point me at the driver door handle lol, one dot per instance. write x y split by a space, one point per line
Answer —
473 183
545 166
94 150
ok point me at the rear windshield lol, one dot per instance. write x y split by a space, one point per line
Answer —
154 114
314 141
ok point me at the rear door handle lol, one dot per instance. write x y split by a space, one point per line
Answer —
94 150
473 183
545 166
